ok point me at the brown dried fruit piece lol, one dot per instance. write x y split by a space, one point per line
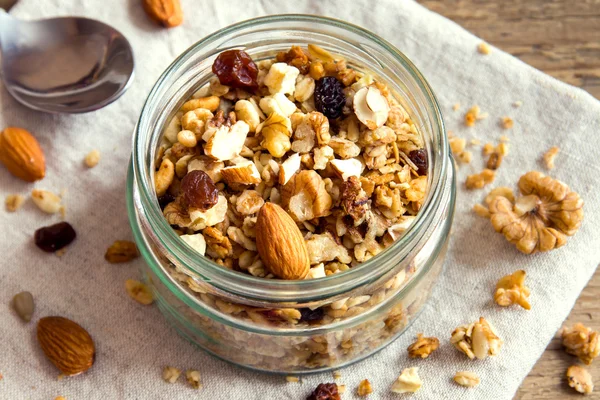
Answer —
325 391
236 68
54 237
542 218
423 346
296 57
21 154
199 191
66 344
511 289
167 13
280 243
582 342
121 251
305 196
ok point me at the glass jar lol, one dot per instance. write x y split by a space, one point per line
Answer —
292 326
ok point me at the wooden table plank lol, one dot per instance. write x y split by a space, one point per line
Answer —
561 38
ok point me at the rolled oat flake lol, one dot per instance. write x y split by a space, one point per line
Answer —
23 305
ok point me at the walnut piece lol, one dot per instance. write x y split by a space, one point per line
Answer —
476 340
324 248
171 374
542 218
218 245
408 381
580 379
477 181
354 199
511 289
364 388
467 378
549 157
249 202
193 378
305 196
582 342
423 346
276 132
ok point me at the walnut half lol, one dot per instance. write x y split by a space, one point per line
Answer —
582 342
305 196
542 218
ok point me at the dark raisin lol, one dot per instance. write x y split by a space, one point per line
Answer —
325 391
308 315
236 68
329 96
165 199
419 158
54 237
199 191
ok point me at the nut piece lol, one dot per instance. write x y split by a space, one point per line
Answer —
121 251
542 218
193 378
244 173
21 154
139 292
281 78
276 132
580 379
66 344
511 289
171 374
24 305
196 242
164 177
582 342
549 157
477 181
323 248
467 378
371 107
484 48
280 243
476 340
347 168
13 202
423 346
164 12
227 142
305 196
200 219
408 381
92 158
364 388
288 168
46 201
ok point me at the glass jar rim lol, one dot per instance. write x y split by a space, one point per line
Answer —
282 290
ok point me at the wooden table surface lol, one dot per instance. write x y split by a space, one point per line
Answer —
561 38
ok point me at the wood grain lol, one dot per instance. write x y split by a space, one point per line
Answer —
561 38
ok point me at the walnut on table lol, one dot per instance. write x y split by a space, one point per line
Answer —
423 346
582 342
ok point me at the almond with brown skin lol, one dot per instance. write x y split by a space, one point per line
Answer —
66 344
167 13
280 243
21 154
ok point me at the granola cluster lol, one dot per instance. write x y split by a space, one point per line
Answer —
328 143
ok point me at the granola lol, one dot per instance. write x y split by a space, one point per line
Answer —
423 346
476 340
467 378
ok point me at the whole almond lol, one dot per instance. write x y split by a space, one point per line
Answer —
164 12
280 243
21 154
66 344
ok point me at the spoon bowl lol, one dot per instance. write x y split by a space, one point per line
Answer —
64 65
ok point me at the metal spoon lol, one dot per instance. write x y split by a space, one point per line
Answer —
64 65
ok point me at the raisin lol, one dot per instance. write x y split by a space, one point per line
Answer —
329 96
54 237
236 68
325 391
165 199
308 315
199 191
419 158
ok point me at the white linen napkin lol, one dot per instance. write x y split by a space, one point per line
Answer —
134 342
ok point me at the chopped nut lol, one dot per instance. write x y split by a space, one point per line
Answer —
290 378
477 181
347 168
472 115
277 104
46 201
139 292
248 112
171 374
511 289
465 157
193 378
476 340
549 157
371 107
219 245
305 196
13 202
187 138
487 149
456 107
121 251
92 158
364 388
542 218
288 168
467 378
494 161
276 131
281 78
484 48
482 211
244 173
164 177
201 219
323 248
211 103
337 375
195 241
226 142
580 379
211 167
507 122
457 145
249 202
423 346
582 342
408 381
